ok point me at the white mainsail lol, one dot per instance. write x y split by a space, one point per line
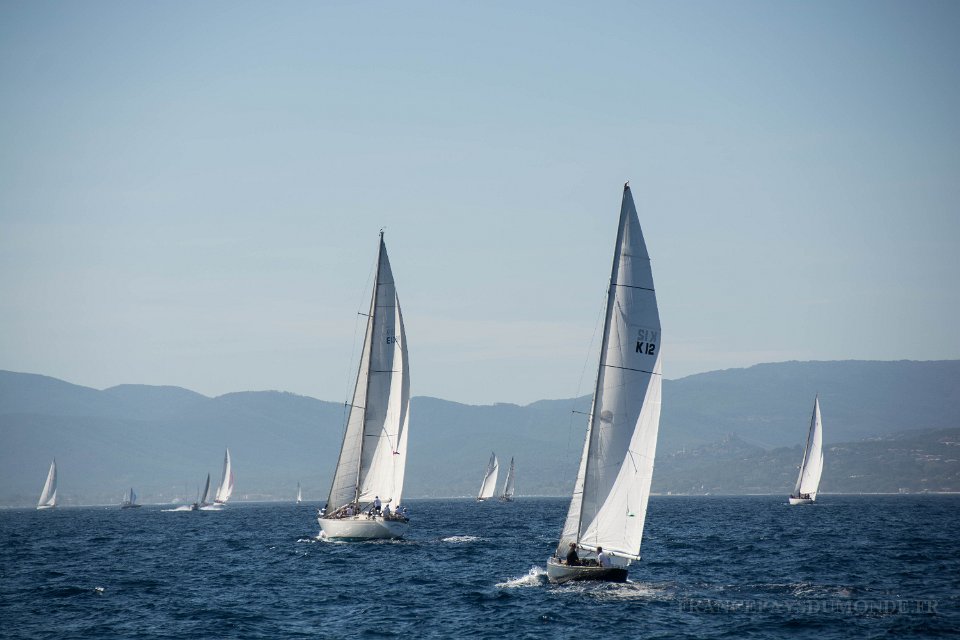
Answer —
374 450
48 497
225 490
808 481
609 502
489 483
508 483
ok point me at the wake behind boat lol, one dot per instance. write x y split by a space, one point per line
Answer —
374 450
811 468
609 503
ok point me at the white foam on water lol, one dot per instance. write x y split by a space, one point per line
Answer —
184 507
536 577
462 539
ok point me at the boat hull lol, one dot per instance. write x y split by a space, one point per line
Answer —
362 528
801 500
560 573
130 506
45 506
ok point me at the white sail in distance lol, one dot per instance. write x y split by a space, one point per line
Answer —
808 481
609 503
489 483
48 497
374 450
225 490
508 483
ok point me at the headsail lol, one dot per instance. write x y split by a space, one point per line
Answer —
374 450
808 481
225 490
489 483
48 497
508 483
609 503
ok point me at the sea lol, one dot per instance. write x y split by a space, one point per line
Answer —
712 567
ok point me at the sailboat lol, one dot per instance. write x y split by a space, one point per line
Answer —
130 501
299 494
202 498
373 454
609 502
507 495
48 497
489 483
225 490
808 482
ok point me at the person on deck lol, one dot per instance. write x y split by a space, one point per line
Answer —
376 504
602 559
572 558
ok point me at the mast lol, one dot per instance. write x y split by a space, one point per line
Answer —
608 316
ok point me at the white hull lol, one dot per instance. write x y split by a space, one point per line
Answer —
561 573
362 528
801 500
45 506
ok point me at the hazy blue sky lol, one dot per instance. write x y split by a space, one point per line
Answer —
190 193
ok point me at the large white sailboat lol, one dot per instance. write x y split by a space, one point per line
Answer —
130 501
808 482
507 495
48 497
609 502
225 490
489 483
373 454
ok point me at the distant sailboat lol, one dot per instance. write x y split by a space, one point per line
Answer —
130 501
489 483
373 454
808 482
48 497
609 502
299 494
225 490
202 498
507 495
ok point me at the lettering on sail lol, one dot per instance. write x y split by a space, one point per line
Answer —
647 341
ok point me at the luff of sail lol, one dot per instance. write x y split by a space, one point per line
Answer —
225 490
489 483
808 480
48 496
609 503
374 449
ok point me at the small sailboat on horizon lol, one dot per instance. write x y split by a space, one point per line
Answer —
299 493
508 490
811 468
489 483
225 489
201 502
370 468
609 502
48 496
130 501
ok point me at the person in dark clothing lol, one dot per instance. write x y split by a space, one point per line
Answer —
572 558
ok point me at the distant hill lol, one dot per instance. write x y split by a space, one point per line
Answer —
163 440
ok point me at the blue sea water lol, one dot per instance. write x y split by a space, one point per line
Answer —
736 567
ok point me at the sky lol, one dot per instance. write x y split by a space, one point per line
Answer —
191 193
